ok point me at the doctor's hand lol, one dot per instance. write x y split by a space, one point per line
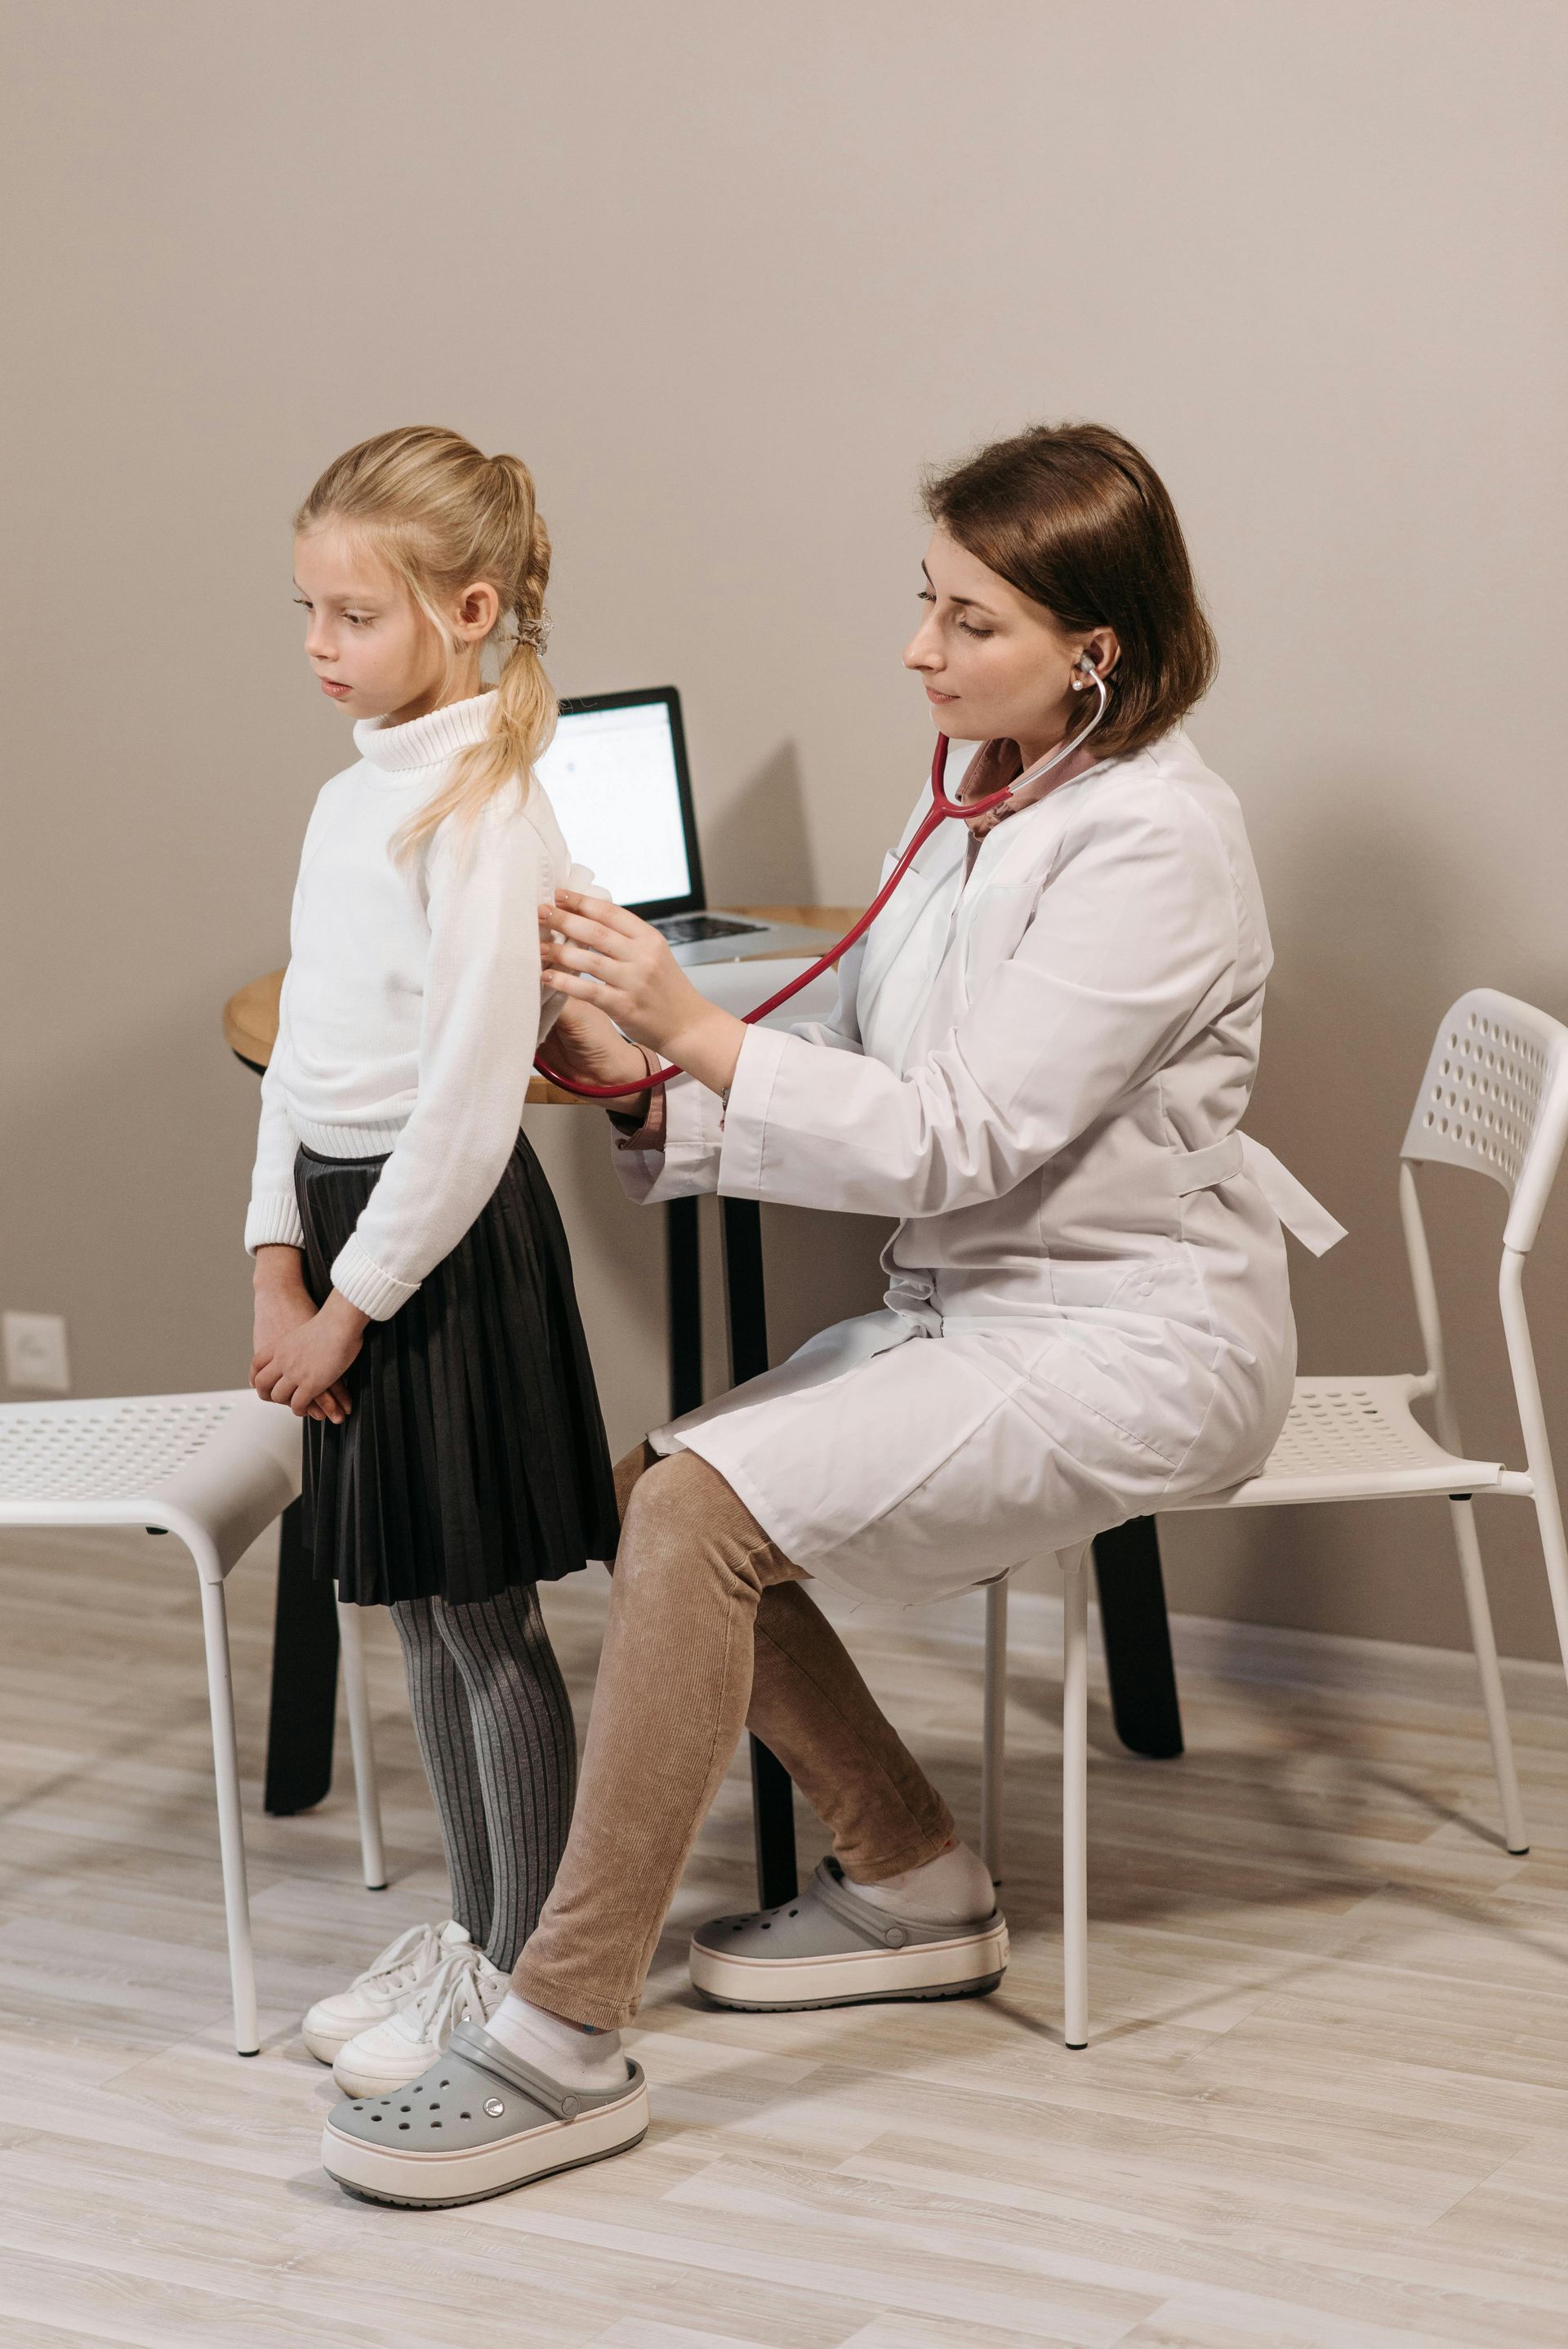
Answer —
605 957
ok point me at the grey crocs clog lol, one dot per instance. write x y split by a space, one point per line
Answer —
830 1948
478 2123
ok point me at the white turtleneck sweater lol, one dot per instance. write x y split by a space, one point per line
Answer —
411 1008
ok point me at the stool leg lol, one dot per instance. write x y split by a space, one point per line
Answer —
1075 1796
993 1735
1482 1639
366 1793
230 1826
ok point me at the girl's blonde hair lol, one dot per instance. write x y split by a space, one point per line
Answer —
443 516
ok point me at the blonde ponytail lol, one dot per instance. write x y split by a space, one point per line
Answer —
443 516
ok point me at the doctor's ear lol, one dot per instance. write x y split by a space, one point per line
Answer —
1097 658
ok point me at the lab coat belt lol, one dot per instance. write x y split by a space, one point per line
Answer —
1203 1170
1293 1203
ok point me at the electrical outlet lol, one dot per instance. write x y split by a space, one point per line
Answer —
36 1354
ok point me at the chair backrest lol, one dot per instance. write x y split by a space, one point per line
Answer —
1494 1098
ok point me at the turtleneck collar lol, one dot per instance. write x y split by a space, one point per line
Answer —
427 742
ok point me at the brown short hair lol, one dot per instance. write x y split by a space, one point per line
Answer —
1077 518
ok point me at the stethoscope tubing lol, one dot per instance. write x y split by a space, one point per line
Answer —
942 808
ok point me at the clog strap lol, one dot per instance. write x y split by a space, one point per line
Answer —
487 2054
873 1925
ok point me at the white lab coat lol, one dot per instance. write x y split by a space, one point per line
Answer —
1040 1070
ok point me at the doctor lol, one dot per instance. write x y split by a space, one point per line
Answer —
1040 1058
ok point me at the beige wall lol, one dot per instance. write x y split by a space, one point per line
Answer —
728 276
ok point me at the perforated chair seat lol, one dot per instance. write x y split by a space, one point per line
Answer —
1354 1440
219 1465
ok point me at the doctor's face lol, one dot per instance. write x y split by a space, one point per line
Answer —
994 665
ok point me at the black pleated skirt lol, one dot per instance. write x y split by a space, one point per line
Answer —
474 1458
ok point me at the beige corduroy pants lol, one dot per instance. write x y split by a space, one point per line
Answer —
709 1631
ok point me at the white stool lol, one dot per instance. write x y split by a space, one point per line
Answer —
1494 1100
215 1469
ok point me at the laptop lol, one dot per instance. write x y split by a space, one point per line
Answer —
616 776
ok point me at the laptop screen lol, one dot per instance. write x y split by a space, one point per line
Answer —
616 773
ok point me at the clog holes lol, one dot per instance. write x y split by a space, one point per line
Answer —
402 2125
446 2083
435 2108
404 2108
767 1929
465 2116
794 1912
435 2124
376 2118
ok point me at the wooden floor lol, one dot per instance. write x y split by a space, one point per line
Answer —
1327 2101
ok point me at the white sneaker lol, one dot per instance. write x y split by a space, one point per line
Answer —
466 1989
388 1982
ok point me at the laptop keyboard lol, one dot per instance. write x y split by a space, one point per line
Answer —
687 929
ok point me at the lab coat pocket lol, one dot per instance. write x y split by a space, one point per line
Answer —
1115 1380
907 1412
833 1440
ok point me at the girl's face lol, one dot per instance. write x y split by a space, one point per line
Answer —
996 667
372 650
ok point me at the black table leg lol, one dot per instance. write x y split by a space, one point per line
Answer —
746 1298
773 1824
683 1265
772 1793
304 1677
1137 1634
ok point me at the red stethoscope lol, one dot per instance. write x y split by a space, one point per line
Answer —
940 808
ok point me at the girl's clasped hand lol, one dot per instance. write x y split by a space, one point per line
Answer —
301 1352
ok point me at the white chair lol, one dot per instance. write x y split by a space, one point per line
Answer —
215 1469
1494 1100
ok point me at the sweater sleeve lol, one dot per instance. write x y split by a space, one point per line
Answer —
479 1030
273 1217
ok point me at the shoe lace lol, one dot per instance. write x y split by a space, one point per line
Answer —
491 1983
408 1955
432 2010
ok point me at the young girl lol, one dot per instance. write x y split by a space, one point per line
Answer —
413 1297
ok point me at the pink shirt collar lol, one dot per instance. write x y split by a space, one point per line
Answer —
997 764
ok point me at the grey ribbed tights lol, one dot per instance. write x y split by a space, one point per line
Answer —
495 1730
